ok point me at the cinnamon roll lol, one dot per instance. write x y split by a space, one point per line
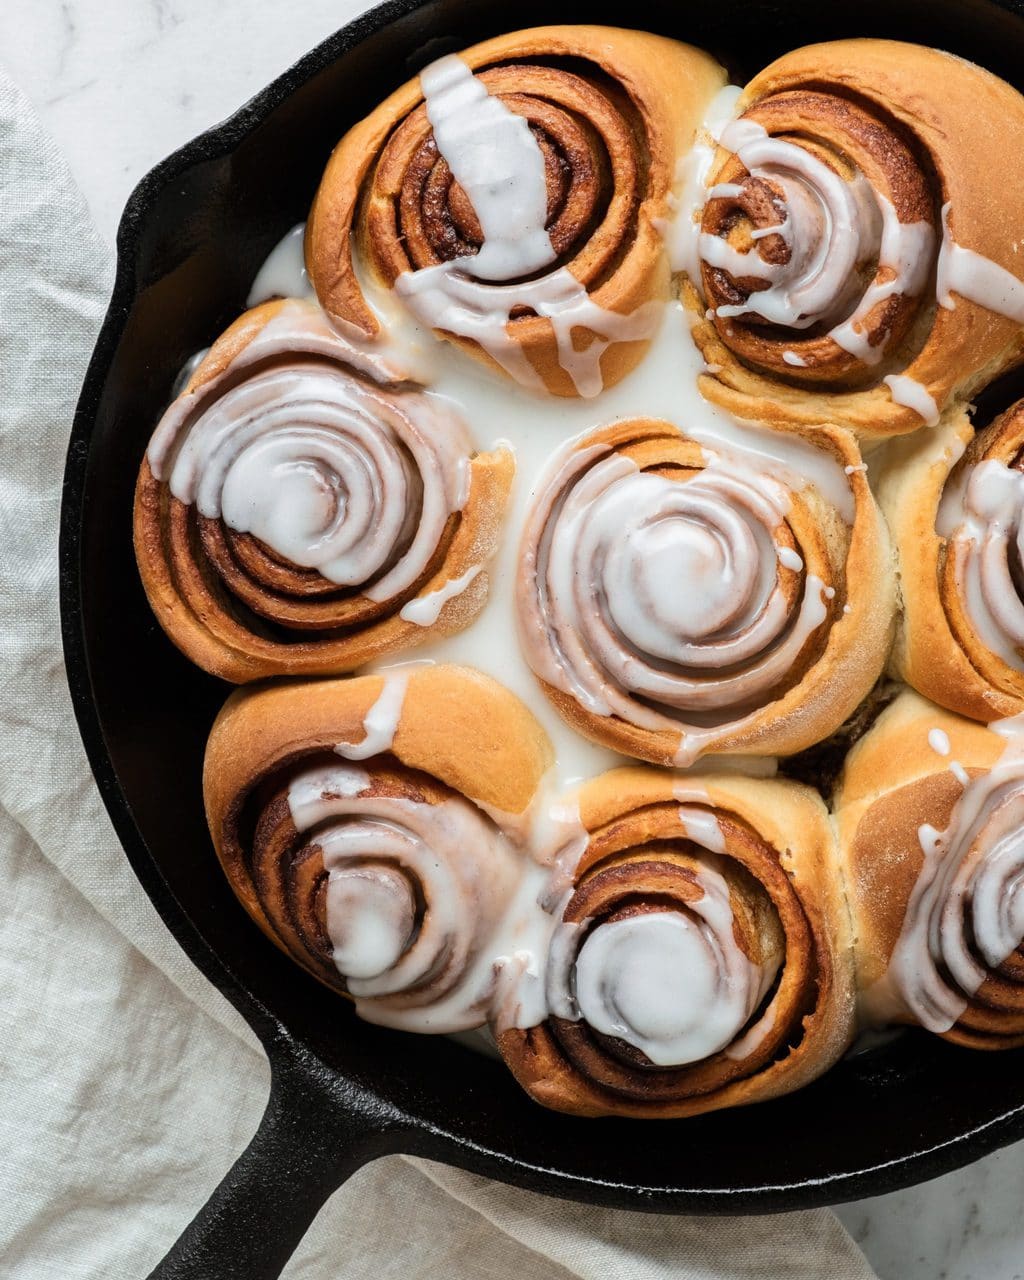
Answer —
955 505
701 955
930 815
853 264
372 827
676 599
512 196
301 509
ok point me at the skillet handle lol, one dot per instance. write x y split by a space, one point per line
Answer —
315 1133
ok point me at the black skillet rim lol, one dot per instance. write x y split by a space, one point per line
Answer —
217 142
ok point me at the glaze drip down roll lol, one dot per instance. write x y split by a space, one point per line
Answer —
674 601
955 504
301 509
851 254
930 814
511 196
371 827
700 956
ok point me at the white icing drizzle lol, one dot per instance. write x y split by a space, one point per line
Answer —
832 227
975 278
914 395
187 370
965 916
421 899
789 558
426 609
904 256
504 978
601 616
456 303
682 236
499 164
520 953
701 825
751 1041
674 985
789 461
381 721
558 838
980 515
298 443
938 740
283 273
314 793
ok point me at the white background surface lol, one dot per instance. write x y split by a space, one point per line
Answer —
120 83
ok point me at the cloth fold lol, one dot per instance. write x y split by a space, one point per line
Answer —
127 1083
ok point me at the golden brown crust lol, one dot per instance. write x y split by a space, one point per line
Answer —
242 613
780 867
457 724
841 661
895 781
938 649
941 111
878 841
232 342
459 733
641 95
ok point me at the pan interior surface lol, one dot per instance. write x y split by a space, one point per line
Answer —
191 241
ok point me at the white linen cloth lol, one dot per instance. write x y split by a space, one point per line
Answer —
128 1085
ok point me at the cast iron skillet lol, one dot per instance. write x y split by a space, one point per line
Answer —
345 1092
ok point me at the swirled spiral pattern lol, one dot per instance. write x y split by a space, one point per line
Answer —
930 816
665 599
387 884
295 505
981 569
385 860
685 965
509 196
837 212
818 238
958 962
422 216
955 511
983 563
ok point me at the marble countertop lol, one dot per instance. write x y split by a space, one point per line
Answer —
119 84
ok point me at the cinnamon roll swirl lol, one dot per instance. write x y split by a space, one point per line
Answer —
371 828
301 509
700 957
955 505
854 267
539 251
930 815
675 601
